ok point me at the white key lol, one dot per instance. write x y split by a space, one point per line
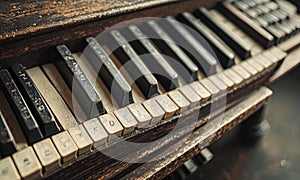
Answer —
28 164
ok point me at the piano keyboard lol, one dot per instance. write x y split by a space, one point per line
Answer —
54 113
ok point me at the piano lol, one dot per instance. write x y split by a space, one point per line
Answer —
134 89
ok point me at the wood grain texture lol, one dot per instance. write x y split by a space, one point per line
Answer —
27 17
55 27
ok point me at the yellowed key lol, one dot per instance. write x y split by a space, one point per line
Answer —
234 77
256 65
278 52
126 119
141 115
210 86
221 85
223 78
154 109
241 71
8 169
201 91
249 68
65 146
179 100
28 164
81 139
267 54
47 154
62 88
167 105
97 132
263 61
112 126
53 99
190 95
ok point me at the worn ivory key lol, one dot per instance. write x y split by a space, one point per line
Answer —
28 164
52 97
179 100
167 104
141 115
111 125
126 119
65 146
153 108
8 169
47 154
81 139
96 132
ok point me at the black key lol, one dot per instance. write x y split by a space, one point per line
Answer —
24 115
134 65
7 142
158 65
167 46
255 31
12 122
224 54
196 50
109 73
35 101
82 89
241 47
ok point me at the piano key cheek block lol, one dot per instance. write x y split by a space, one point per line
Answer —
81 109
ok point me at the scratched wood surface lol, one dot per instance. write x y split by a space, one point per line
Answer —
30 30
25 17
